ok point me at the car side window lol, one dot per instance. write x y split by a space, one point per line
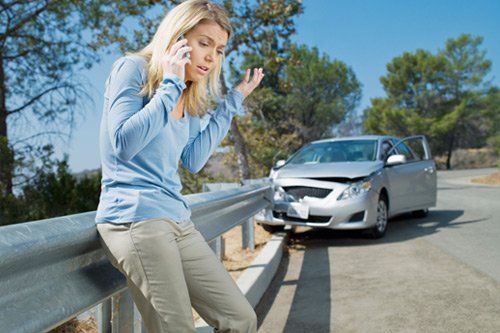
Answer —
386 146
403 149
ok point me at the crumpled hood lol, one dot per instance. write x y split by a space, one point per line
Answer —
334 169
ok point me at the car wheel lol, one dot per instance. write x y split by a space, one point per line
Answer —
378 231
272 228
420 213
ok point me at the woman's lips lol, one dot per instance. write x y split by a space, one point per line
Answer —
202 69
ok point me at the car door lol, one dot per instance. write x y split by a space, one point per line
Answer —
396 178
399 179
427 174
420 171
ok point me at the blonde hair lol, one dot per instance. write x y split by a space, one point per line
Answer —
177 22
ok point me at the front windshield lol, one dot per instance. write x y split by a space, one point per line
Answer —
337 151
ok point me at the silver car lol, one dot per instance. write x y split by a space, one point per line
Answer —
352 183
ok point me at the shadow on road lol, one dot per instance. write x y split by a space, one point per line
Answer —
263 308
310 289
400 228
313 289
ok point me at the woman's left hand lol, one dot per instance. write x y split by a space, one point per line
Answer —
247 85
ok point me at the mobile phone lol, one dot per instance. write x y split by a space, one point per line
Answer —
186 55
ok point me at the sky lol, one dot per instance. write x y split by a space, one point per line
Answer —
366 35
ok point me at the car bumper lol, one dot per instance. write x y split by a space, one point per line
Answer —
349 214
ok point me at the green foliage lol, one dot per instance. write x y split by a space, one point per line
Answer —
319 92
193 183
266 144
494 141
51 193
491 112
6 163
304 96
442 95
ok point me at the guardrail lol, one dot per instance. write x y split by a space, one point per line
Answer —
53 270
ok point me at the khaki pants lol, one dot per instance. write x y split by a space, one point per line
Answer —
169 268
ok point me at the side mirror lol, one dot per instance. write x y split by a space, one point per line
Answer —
280 163
396 159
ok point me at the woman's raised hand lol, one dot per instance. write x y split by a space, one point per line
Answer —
174 61
247 85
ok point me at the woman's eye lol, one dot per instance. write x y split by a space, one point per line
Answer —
220 52
204 44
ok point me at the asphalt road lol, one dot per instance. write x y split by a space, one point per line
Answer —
436 274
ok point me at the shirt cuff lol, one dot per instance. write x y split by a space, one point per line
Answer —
169 77
170 90
235 99
238 96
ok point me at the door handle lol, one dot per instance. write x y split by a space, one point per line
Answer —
429 170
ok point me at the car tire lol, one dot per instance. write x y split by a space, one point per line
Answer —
421 213
272 228
378 231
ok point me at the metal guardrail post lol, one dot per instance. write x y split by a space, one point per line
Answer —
119 314
138 322
217 245
248 234
248 227
103 317
122 314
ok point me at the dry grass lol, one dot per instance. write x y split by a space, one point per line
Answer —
492 179
235 260
77 326
472 158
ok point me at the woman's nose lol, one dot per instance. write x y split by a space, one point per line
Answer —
211 56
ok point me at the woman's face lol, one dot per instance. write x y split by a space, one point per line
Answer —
208 41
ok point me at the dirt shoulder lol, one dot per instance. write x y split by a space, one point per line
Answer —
491 179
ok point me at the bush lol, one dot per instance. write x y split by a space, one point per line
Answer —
469 159
50 194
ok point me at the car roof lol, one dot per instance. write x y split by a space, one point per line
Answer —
359 137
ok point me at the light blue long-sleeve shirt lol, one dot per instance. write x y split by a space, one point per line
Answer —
141 144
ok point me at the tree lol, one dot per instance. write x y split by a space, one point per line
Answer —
266 145
492 112
193 183
261 27
306 96
319 92
42 45
52 192
439 95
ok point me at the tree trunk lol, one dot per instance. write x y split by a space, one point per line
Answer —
6 155
450 150
240 145
240 148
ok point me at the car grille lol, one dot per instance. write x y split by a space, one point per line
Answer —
299 192
311 218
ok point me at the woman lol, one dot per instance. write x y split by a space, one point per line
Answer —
151 119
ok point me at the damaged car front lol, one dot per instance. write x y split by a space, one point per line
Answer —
334 183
